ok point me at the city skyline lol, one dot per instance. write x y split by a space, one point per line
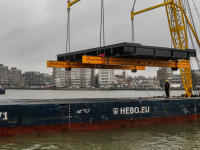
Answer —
33 32
96 71
24 71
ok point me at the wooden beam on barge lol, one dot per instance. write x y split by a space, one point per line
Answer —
64 64
131 61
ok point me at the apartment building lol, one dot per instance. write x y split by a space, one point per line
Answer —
82 77
14 76
74 78
47 79
106 78
23 79
61 77
33 78
120 79
3 74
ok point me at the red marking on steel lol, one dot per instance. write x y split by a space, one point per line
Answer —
101 55
9 131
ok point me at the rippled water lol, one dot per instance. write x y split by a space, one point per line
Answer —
173 136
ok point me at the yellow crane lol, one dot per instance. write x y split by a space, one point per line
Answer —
177 26
176 18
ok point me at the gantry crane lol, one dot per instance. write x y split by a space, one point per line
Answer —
176 19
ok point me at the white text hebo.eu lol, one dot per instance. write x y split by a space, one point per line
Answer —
131 110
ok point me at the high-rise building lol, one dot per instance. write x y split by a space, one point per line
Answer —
61 77
47 79
14 76
82 77
106 78
74 78
23 79
3 74
34 78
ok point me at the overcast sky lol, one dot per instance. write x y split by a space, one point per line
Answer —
32 32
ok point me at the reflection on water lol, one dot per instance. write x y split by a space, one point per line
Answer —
172 136
176 136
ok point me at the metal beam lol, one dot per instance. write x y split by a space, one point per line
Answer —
63 64
130 50
150 8
72 3
131 61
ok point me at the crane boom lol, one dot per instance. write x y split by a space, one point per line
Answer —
177 27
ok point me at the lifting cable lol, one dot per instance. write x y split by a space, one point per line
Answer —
194 83
192 20
192 42
102 29
68 35
196 10
191 16
132 20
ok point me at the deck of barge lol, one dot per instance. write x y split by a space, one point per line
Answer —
86 100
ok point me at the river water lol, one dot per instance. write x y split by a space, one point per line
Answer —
173 136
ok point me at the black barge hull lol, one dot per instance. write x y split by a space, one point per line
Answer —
23 116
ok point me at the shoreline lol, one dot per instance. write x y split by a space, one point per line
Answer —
89 89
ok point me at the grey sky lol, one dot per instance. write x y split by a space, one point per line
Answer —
32 32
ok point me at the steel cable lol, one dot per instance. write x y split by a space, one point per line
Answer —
102 26
193 73
196 10
132 20
133 40
185 5
191 16
68 35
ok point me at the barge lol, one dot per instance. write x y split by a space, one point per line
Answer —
26 116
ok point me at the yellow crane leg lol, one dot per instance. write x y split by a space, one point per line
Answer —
64 64
131 61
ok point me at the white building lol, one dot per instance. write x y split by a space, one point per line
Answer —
106 78
61 77
82 77
74 78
